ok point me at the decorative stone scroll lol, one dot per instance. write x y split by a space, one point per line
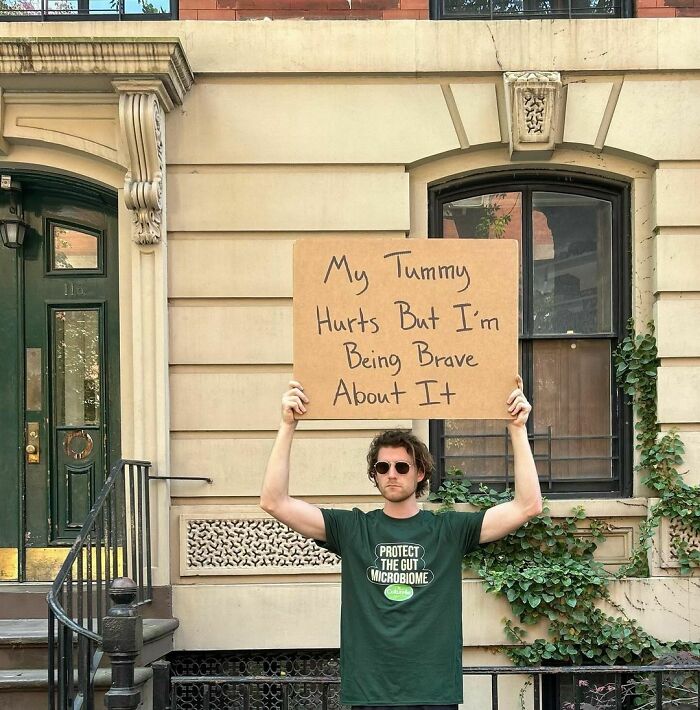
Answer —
141 119
532 100
249 546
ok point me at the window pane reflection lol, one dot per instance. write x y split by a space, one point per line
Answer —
495 216
73 249
572 237
491 216
68 8
77 370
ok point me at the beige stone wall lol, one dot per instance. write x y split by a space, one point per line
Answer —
677 291
338 129
408 48
259 160
668 606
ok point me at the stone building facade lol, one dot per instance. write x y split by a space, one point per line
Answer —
221 143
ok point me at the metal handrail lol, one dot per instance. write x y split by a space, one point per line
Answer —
114 541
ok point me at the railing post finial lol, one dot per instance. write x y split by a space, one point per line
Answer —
122 642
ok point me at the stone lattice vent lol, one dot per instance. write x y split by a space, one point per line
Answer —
678 531
248 545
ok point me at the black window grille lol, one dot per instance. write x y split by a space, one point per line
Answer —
574 305
528 9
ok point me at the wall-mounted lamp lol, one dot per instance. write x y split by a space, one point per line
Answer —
12 225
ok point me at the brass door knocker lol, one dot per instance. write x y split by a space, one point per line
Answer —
77 437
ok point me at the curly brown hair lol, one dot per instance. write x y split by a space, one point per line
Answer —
396 438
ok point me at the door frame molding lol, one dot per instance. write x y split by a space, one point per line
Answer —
154 72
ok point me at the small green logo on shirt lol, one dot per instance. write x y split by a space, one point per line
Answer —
398 592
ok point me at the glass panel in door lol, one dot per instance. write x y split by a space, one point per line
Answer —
76 392
77 368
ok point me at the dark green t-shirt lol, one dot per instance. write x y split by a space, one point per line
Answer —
401 614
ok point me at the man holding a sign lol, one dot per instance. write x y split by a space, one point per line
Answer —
401 641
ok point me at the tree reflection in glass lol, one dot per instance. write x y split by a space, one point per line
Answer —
77 367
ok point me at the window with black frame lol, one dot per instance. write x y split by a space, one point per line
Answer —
574 305
528 9
13 10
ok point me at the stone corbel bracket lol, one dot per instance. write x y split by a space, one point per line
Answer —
532 104
141 106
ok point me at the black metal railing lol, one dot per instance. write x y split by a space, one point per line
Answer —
292 685
496 458
113 542
654 687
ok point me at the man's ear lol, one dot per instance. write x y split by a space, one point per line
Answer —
421 474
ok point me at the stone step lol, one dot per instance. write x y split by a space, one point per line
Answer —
27 600
24 642
27 689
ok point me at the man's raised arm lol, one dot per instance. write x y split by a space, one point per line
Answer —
299 515
503 519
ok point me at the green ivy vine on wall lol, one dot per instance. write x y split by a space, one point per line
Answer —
546 569
636 363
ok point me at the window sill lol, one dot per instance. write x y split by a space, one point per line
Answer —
594 507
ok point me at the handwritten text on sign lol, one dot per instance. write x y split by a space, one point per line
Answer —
397 328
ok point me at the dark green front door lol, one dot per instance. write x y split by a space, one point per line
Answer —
63 377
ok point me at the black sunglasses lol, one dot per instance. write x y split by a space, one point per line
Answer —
382 467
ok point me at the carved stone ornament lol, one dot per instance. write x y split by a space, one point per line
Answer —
141 118
673 529
532 98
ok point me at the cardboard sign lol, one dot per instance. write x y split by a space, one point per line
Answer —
398 328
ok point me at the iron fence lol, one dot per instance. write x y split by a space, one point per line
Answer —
253 680
310 680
